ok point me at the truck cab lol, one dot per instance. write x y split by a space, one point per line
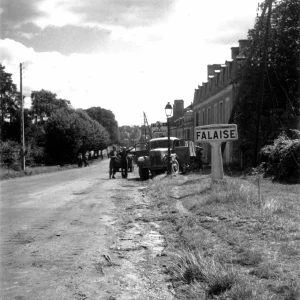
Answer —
154 157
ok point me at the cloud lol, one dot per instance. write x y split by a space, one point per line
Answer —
67 39
228 32
128 14
120 55
87 26
130 83
14 13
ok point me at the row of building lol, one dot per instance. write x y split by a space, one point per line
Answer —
212 104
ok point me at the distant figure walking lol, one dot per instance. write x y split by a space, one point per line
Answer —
83 152
79 160
86 158
112 163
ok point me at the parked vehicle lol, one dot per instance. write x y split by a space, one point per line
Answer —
153 156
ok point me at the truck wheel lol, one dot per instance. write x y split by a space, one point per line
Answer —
175 167
153 174
144 173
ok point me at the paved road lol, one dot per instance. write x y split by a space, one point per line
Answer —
55 230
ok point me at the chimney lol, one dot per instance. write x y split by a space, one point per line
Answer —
234 52
178 107
211 70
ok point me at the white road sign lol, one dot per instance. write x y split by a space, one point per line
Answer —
159 129
216 132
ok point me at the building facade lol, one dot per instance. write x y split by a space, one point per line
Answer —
182 122
214 99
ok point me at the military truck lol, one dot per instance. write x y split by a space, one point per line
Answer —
152 157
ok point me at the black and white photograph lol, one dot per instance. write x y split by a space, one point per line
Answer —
149 150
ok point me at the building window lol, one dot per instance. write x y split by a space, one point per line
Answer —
209 116
221 112
215 113
227 109
197 119
203 117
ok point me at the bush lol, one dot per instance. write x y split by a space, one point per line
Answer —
35 156
282 159
10 155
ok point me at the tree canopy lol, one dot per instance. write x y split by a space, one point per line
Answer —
129 135
54 131
268 101
107 119
10 105
44 103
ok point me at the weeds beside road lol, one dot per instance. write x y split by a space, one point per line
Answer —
29 171
238 240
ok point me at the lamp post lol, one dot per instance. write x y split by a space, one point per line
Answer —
168 111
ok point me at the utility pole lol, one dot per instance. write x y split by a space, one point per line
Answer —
22 123
145 127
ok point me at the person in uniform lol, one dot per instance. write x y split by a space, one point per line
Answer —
199 158
124 161
112 163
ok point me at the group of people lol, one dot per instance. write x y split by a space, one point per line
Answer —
83 159
114 154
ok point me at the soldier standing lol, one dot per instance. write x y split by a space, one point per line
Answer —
112 163
124 161
199 158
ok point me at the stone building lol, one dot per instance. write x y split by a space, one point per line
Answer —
182 122
213 100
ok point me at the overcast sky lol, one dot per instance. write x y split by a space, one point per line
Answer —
128 56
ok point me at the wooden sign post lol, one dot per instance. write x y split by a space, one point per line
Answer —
215 134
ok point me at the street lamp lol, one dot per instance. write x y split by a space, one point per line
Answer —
168 111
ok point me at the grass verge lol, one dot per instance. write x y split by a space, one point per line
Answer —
238 239
30 171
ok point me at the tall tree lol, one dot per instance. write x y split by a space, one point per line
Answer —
44 103
97 137
268 96
129 135
107 119
68 132
10 105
